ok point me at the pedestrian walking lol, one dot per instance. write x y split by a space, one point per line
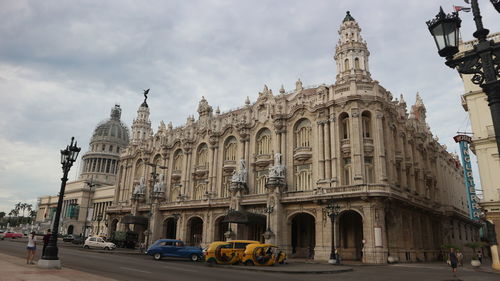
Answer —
31 248
46 239
453 261
480 257
460 258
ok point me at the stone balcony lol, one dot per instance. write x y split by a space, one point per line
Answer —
302 153
263 160
229 165
176 174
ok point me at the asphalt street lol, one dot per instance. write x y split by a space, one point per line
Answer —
139 267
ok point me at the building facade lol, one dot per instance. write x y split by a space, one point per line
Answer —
484 146
268 170
86 200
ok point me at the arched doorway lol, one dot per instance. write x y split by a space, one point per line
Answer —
113 227
351 235
220 229
170 228
303 235
195 231
70 229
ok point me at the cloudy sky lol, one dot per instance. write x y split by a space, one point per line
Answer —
64 64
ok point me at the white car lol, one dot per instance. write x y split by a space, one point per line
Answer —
98 242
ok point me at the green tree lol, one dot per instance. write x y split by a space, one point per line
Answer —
2 215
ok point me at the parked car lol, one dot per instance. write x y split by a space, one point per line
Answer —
78 240
174 248
229 252
69 237
98 242
12 235
262 255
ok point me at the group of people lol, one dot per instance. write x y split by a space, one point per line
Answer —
31 247
455 258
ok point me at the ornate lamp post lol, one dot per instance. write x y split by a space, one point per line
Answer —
68 157
333 210
483 62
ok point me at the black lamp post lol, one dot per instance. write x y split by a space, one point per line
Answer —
483 61
68 157
333 210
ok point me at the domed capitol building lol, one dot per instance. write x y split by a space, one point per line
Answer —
340 164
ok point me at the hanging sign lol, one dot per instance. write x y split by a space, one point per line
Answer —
472 199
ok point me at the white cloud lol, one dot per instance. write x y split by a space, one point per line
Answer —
64 64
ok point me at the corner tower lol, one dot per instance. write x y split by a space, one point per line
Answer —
141 127
351 53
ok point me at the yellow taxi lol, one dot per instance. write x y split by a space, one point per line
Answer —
226 252
263 255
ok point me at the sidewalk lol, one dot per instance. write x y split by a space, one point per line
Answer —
294 268
16 269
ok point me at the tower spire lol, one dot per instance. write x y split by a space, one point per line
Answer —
351 53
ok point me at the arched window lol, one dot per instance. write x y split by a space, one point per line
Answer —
230 147
366 123
139 169
346 65
174 193
369 171
346 176
303 133
344 126
199 191
260 183
177 161
356 63
303 177
264 142
202 156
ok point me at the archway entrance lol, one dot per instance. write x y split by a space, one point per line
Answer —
255 231
303 235
351 235
195 231
220 228
170 228
70 229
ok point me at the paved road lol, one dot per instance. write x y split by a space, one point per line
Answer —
138 267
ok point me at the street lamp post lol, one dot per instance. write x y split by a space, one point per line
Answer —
483 61
152 197
68 156
333 210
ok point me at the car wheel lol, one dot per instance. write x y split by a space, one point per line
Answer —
107 248
249 263
157 256
211 261
195 257
86 247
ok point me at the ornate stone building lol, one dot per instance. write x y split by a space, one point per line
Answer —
86 199
268 170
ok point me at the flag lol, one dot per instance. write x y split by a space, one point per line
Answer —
460 8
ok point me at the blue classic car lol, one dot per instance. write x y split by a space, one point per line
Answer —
174 248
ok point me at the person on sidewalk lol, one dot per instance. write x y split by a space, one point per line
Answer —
480 257
46 239
31 248
453 261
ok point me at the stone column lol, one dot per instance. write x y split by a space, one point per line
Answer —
375 247
321 153
211 169
328 161
356 147
379 149
334 149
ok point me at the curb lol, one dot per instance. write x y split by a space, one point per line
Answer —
257 268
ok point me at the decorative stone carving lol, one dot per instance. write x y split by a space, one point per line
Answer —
278 170
240 175
159 187
140 188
